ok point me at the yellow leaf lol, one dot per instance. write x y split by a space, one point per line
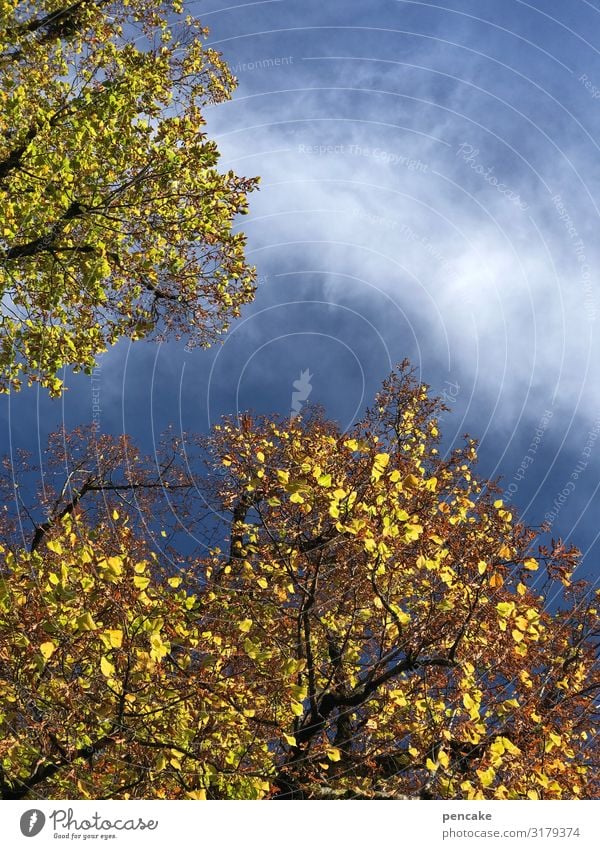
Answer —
498 504
517 635
531 564
106 667
196 794
85 622
260 456
412 531
403 617
55 546
521 589
468 701
174 581
116 638
381 461
116 564
443 758
47 650
486 776
510 747
290 739
297 709
140 582
498 748
334 754
115 515
298 692
505 608
496 580
481 567
158 648
245 625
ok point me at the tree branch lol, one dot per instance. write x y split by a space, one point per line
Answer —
19 789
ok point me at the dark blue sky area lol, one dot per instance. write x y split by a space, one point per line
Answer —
430 189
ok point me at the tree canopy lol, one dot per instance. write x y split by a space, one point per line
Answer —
115 221
363 617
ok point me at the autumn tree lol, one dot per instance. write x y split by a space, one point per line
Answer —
90 474
370 621
111 686
115 220
412 607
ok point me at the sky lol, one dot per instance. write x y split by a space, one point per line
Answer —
429 189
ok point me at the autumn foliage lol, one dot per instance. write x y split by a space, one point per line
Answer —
115 220
363 617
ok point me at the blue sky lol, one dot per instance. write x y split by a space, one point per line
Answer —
430 189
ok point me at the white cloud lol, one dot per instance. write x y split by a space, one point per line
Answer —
371 185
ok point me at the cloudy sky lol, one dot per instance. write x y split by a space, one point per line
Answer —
429 188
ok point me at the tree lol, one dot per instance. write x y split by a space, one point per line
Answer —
372 622
112 687
115 219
